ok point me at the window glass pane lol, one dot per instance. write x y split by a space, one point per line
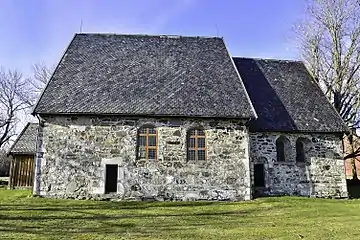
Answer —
152 140
201 142
192 132
142 140
200 133
142 130
191 155
192 142
280 151
152 130
300 155
201 155
142 152
152 153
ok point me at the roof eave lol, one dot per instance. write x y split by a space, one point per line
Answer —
142 115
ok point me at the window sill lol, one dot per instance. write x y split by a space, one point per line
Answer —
285 163
293 163
201 163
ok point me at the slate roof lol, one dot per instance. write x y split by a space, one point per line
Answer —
146 75
26 141
286 98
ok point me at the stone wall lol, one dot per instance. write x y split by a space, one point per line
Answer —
72 154
321 175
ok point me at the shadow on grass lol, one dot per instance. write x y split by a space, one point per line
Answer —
116 217
94 205
68 221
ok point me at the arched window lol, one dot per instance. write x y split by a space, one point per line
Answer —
196 145
147 143
282 148
300 154
303 146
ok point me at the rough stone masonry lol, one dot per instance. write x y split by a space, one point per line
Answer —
320 175
72 162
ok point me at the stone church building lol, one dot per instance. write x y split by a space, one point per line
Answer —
177 118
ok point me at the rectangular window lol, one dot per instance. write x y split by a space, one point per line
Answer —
259 175
147 143
196 145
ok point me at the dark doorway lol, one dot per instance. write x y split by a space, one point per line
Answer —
259 178
111 178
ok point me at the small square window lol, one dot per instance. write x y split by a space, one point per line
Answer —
191 155
152 140
201 142
142 130
152 131
192 132
142 153
192 142
152 154
201 155
200 133
142 141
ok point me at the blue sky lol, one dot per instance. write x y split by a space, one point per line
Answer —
40 30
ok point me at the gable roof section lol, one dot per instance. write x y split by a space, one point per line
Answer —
26 141
146 75
286 98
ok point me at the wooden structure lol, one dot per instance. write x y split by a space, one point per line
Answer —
23 151
352 165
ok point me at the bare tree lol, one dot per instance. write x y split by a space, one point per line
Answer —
42 74
330 47
15 97
4 164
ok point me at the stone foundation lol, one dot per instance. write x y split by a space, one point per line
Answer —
321 175
73 152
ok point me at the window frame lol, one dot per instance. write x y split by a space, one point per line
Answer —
282 143
300 151
147 147
305 152
196 148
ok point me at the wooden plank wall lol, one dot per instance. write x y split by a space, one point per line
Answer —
22 171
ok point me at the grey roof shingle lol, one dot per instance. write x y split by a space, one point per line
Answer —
146 75
286 98
26 141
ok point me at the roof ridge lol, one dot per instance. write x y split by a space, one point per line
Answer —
269 59
148 35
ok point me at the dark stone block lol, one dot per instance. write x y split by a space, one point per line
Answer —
130 123
114 151
177 133
135 187
213 124
205 174
180 181
178 165
175 122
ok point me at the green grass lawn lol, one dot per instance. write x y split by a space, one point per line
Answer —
26 217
